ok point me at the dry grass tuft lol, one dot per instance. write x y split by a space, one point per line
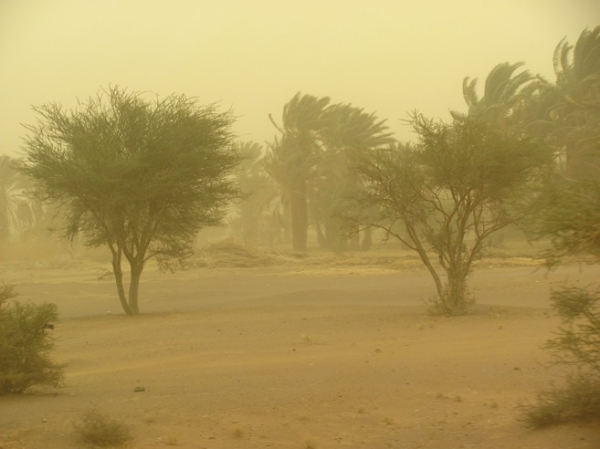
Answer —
95 429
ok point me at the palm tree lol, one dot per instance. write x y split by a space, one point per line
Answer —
254 181
349 129
566 113
16 212
504 92
292 157
575 112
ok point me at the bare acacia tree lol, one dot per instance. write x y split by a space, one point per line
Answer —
446 195
141 176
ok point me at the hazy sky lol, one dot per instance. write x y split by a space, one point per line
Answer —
387 56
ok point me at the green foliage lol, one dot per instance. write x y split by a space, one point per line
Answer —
504 92
578 399
310 161
577 345
445 196
95 429
6 292
566 112
25 345
578 339
568 214
140 176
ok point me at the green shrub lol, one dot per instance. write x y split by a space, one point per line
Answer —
98 430
576 345
578 399
25 345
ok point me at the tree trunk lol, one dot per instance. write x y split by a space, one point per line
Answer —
355 239
455 297
367 239
299 206
118 272
321 238
134 287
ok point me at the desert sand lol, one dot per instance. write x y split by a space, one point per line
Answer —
296 356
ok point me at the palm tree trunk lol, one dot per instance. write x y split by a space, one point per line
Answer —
299 206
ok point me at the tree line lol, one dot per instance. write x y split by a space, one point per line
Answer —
142 175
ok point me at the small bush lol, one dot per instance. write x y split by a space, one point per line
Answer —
25 345
98 430
576 345
578 400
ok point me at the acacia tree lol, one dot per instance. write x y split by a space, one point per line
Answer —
141 176
446 195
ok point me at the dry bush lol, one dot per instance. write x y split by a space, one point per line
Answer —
25 345
576 345
96 429
577 400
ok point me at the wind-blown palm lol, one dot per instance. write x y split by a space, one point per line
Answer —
310 159
504 91
566 113
292 157
349 130
576 114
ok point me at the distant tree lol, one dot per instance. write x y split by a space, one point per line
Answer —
252 222
291 157
141 176
310 161
16 211
348 129
446 195
570 217
566 112
504 93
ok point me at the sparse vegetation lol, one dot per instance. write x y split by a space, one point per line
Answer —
577 400
445 196
25 345
139 176
96 429
576 345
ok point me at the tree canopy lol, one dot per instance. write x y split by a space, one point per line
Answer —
309 160
444 196
139 174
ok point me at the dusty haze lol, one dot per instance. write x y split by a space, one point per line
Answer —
388 57
262 349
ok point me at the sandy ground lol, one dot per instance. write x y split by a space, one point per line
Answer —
296 357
